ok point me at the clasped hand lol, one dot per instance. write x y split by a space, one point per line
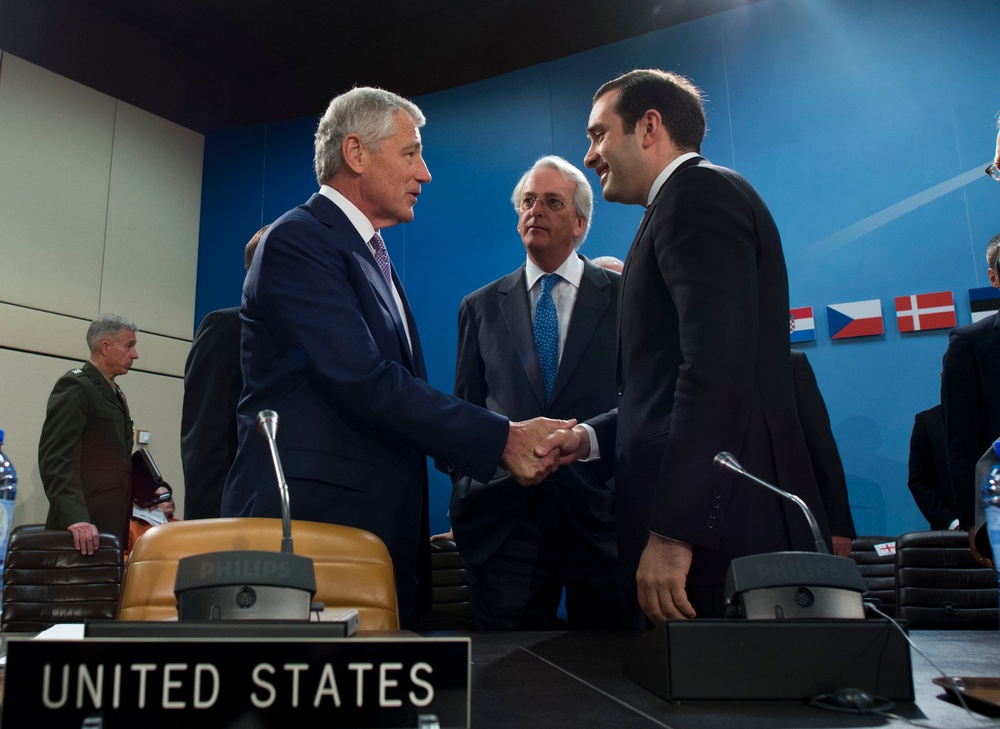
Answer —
522 456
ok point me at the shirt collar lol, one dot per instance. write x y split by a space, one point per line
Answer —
667 171
365 229
571 271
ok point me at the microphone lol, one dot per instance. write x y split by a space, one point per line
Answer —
725 461
790 585
267 424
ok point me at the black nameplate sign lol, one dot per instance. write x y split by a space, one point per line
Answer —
353 682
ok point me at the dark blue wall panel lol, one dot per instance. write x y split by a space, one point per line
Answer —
864 125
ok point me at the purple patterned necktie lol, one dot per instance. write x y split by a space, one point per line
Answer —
382 257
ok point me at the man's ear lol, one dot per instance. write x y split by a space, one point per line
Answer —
650 126
353 152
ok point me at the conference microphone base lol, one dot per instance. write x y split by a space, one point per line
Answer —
770 659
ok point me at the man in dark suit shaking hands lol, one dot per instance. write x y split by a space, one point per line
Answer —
523 545
330 343
703 347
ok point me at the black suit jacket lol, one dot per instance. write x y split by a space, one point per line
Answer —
704 368
498 368
324 346
970 396
85 454
928 477
823 452
212 386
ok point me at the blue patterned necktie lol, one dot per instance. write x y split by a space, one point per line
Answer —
547 332
382 257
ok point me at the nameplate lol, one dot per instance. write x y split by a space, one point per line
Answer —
355 682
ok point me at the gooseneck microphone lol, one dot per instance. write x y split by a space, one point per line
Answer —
725 461
267 424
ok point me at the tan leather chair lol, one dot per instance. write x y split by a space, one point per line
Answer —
353 567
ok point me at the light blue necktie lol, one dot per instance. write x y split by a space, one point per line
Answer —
547 332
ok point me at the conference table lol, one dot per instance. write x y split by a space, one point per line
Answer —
559 680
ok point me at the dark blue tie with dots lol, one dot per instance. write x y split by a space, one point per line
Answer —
547 332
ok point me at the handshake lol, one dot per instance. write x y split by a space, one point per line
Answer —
536 448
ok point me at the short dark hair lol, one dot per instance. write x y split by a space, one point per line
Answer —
678 101
251 247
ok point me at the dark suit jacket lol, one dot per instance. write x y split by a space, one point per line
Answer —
212 386
704 368
85 454
970 396
324 346
928 477
498 369
823 453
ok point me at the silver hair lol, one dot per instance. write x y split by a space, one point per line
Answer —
365 111
993 251
583 196
106 326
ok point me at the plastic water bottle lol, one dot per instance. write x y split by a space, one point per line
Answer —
8 493
991 504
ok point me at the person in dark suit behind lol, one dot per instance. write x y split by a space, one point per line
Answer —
212 387
703 353
524 545
928 478
970 398
85 448
823 452
330 344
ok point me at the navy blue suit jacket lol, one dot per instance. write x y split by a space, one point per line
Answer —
498 368
324 346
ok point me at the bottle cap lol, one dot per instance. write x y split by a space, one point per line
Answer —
1 437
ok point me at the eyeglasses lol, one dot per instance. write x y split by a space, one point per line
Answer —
993 171
549 203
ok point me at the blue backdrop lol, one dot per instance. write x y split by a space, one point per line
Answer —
865 126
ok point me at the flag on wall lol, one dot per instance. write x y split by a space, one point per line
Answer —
984 302
855 319
801 325
919 312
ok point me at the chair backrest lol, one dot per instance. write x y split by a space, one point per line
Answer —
939 584
878 570
353 567
451 607
47 581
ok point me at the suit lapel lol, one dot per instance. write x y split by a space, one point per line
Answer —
512 300
592 300
416 352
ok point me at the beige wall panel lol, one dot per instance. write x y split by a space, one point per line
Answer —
39 331
154 205
55 156
154 401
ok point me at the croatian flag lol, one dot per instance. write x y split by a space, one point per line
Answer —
801 325
984 302
919 312
855 319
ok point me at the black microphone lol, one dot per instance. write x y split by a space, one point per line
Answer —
267 423
725 461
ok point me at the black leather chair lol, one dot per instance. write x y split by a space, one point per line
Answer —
47 581
451 608
878 571
940 585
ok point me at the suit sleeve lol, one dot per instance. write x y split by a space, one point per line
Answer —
960 388
823 452
59 449
307 291
921 479
212 382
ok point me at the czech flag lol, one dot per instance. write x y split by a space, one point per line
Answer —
855 319
919 312
984 302
801 325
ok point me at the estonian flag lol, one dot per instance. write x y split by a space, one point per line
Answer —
984 302
801 325
855 319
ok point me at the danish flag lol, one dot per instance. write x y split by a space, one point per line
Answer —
920 312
